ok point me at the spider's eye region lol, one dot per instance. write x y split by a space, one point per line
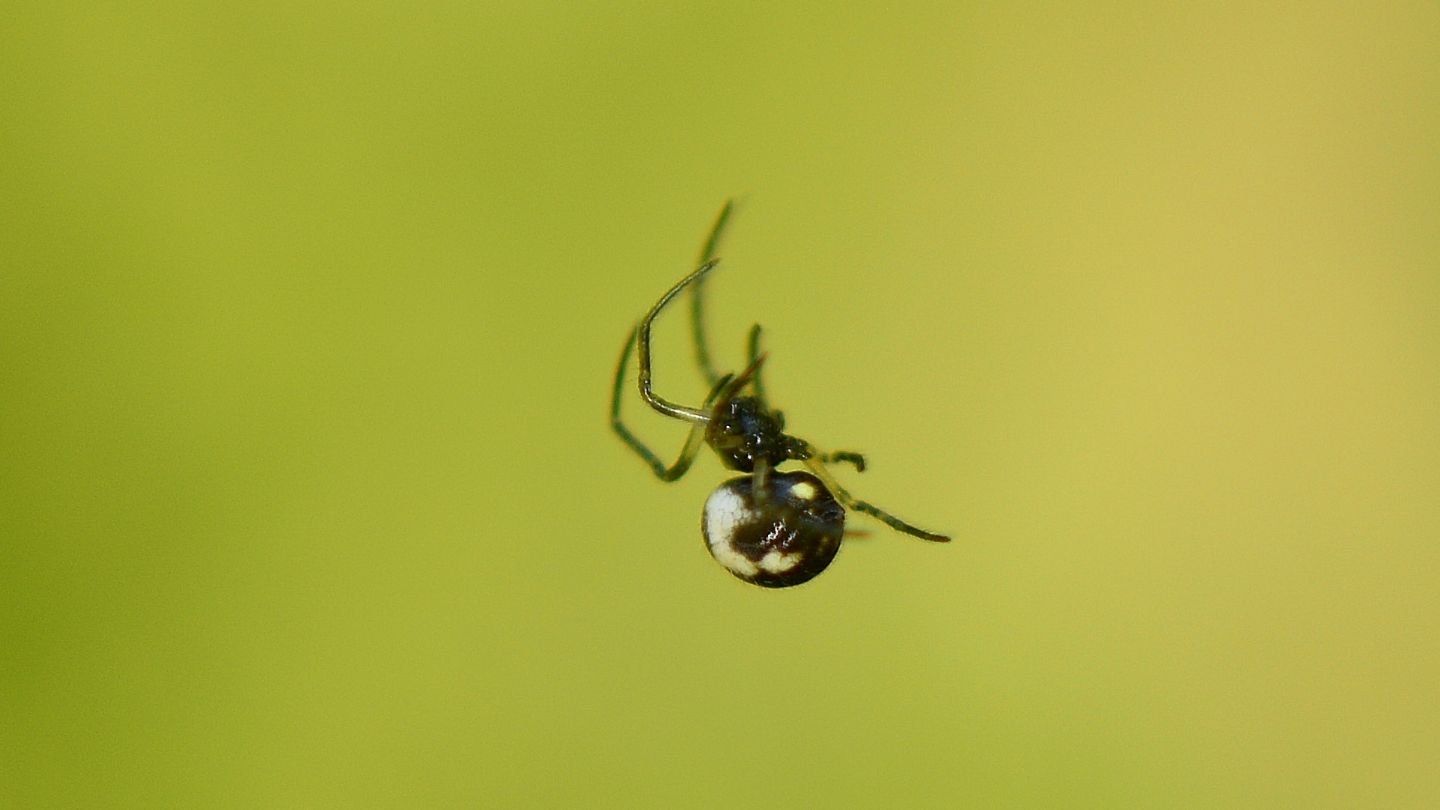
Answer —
787 538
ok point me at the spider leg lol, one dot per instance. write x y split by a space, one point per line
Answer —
846 456
817 466
751 372
752 355
693 441
642 333
697 295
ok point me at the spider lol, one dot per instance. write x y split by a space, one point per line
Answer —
770 528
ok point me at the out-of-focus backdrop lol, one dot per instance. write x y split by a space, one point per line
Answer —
308 316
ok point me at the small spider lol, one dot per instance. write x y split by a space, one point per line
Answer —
770 528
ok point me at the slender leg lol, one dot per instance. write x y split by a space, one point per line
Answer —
846 456
752 354
643 338
722 386
693 442
737 384
697 295
816 466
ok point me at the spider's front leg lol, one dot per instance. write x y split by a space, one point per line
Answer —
693 442
697 295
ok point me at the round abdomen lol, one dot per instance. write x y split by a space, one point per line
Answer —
788 537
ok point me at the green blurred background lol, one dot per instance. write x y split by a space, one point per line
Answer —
308 313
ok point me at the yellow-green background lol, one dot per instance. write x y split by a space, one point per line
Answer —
308 313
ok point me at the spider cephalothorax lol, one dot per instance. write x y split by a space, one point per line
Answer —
770 528
743 432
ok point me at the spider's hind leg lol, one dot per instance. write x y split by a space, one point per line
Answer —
815 463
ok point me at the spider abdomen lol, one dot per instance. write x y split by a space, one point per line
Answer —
786 538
